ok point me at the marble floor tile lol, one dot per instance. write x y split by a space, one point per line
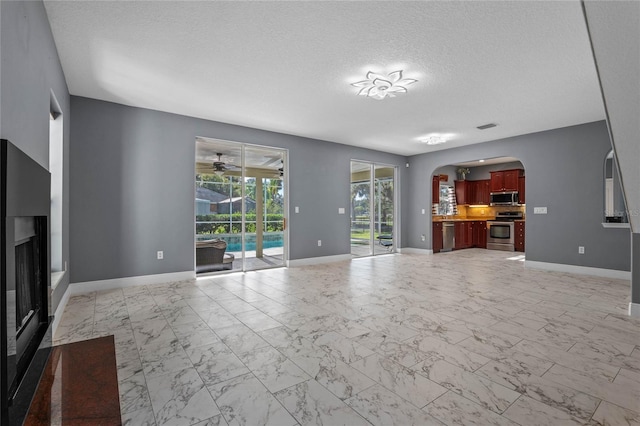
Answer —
624 391
181 399
453 409
336 344
195 334
245 401
561 345
402 381
435 349
488 394
527 411
257 320
216 363
610 414
312 404
241 339
567 359
134 395
142 417
273 369
382 407
557 395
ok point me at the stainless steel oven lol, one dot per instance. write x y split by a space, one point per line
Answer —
500 232
500 235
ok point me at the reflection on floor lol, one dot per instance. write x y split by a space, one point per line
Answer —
467 337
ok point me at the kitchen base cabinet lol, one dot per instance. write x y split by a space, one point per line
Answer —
463 235
518 242
480 234
436 237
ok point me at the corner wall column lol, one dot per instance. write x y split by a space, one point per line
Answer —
634 306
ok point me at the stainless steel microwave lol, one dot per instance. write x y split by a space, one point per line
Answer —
504 199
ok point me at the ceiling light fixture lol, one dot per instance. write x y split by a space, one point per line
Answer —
378 86
433 140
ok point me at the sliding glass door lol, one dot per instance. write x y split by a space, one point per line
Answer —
373 204
240 206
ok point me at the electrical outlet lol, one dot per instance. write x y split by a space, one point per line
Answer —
319 243
423 237
160 255
423 211
580 250
297 209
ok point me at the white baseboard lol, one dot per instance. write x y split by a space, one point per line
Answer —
318 260
57 316
582 270
89 286
634 310
410 250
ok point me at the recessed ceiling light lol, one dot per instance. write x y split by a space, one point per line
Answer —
433 140
486 126
378 86
480 161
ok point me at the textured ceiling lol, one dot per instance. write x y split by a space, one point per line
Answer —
287 66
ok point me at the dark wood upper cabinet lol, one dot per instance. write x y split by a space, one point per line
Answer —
497 181
461 191
505 180
521 191
435 190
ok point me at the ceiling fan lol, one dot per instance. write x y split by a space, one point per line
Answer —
219 167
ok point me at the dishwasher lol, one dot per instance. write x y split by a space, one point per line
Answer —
448 236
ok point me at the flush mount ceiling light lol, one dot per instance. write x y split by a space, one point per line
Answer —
433 140
378 86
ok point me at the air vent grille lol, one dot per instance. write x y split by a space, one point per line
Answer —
487 126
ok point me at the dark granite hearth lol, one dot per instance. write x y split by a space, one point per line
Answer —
79 386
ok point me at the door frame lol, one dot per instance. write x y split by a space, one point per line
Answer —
285 215
372 188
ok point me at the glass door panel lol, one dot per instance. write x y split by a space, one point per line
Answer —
384 208
264 208
361 218
240 196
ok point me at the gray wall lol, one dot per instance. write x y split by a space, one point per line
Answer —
564 169
484 172
614 31
30 71
127 161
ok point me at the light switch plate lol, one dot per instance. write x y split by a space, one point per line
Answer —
297 209
539 210
340 210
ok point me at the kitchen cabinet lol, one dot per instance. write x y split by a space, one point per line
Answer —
505 180
518 242
436 237
481 192
435 190
480 234
521 198
463 235
462 191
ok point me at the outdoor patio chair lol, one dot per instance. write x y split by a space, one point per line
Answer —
211 256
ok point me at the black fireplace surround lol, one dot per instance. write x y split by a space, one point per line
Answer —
25 322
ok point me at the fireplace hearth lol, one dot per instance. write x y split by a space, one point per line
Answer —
25 324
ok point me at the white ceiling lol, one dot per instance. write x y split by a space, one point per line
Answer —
287 66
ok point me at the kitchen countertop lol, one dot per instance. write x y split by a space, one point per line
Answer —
469 219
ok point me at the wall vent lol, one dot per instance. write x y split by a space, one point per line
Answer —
487 126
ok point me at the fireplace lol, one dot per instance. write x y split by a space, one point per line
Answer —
25 336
